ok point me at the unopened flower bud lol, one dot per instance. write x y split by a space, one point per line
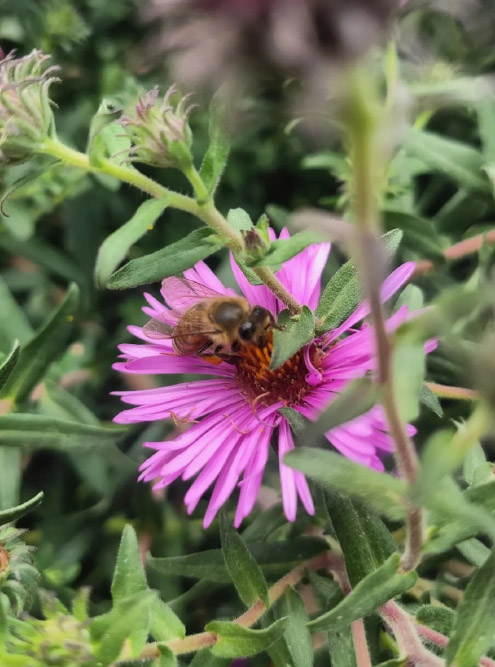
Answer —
159 130
255 245
26 117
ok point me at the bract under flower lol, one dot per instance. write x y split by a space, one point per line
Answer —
235 415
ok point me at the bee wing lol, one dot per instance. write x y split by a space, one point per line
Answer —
158 330
181 293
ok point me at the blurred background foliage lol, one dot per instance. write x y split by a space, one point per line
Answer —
51 228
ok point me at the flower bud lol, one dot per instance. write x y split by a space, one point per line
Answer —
26 117
255 246
159 130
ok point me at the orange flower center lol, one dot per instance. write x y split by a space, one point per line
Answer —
287 383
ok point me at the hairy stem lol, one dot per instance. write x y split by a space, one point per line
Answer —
406 635
445 391
366 166
458 250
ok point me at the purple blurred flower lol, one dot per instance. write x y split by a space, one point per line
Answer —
236 413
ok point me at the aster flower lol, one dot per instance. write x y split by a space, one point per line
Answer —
236 414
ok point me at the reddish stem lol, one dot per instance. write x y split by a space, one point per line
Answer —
458 250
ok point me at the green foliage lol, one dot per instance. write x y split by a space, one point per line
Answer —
293 336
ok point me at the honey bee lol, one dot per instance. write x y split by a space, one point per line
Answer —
207 323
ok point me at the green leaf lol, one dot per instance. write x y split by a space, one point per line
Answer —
116 246
364 539
164 623
274 558
282 250
239 219
40 432
235 641
296 638
419 234
43 349
205 658
14 513
168 261
341 648
244 570
265 524
437 618
408 372
473 632
216 156
167 657
10 476
385 583
128 575
291 339
456 160
343 293
13 323
474 459
430 400
9 363
106 137
128 621
382 491
358 398
474 551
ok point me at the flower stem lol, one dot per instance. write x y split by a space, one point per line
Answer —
362 121
459 250
129 175
445 391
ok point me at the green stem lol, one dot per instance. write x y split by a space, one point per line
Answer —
366 165
129 175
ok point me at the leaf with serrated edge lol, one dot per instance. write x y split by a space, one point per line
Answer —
235 641
374 590
245 572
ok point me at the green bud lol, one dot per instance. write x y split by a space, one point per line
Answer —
26 117
159 130
255 246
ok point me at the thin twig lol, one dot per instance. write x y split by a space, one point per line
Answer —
445 391
458 250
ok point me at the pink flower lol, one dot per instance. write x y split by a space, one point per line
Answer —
236 413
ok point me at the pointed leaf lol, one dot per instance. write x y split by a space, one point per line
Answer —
473 631
164 624
291 339
9 363
168 261
235 641
244 570
128 576
14 513
430 400
282 250
106 137
43 349
115 247
239 219
371 592
382 491
216 156
408 372
13 323
296 638
343 292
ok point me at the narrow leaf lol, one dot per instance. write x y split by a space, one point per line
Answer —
128 575
244 570
116 246
274 558
10 476
40 432
420 234
473 632
14 513
235 641
459 161
43 349
168 261
408 372
296 637
13 323
9 363
216 156
291 339
374 590
430 400
382 491
282 250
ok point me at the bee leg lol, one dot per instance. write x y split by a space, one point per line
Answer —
274 324
200 351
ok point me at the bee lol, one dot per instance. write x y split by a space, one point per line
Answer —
209 324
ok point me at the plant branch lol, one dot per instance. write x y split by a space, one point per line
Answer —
201 640
364 151
445 391
458 250
441 640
